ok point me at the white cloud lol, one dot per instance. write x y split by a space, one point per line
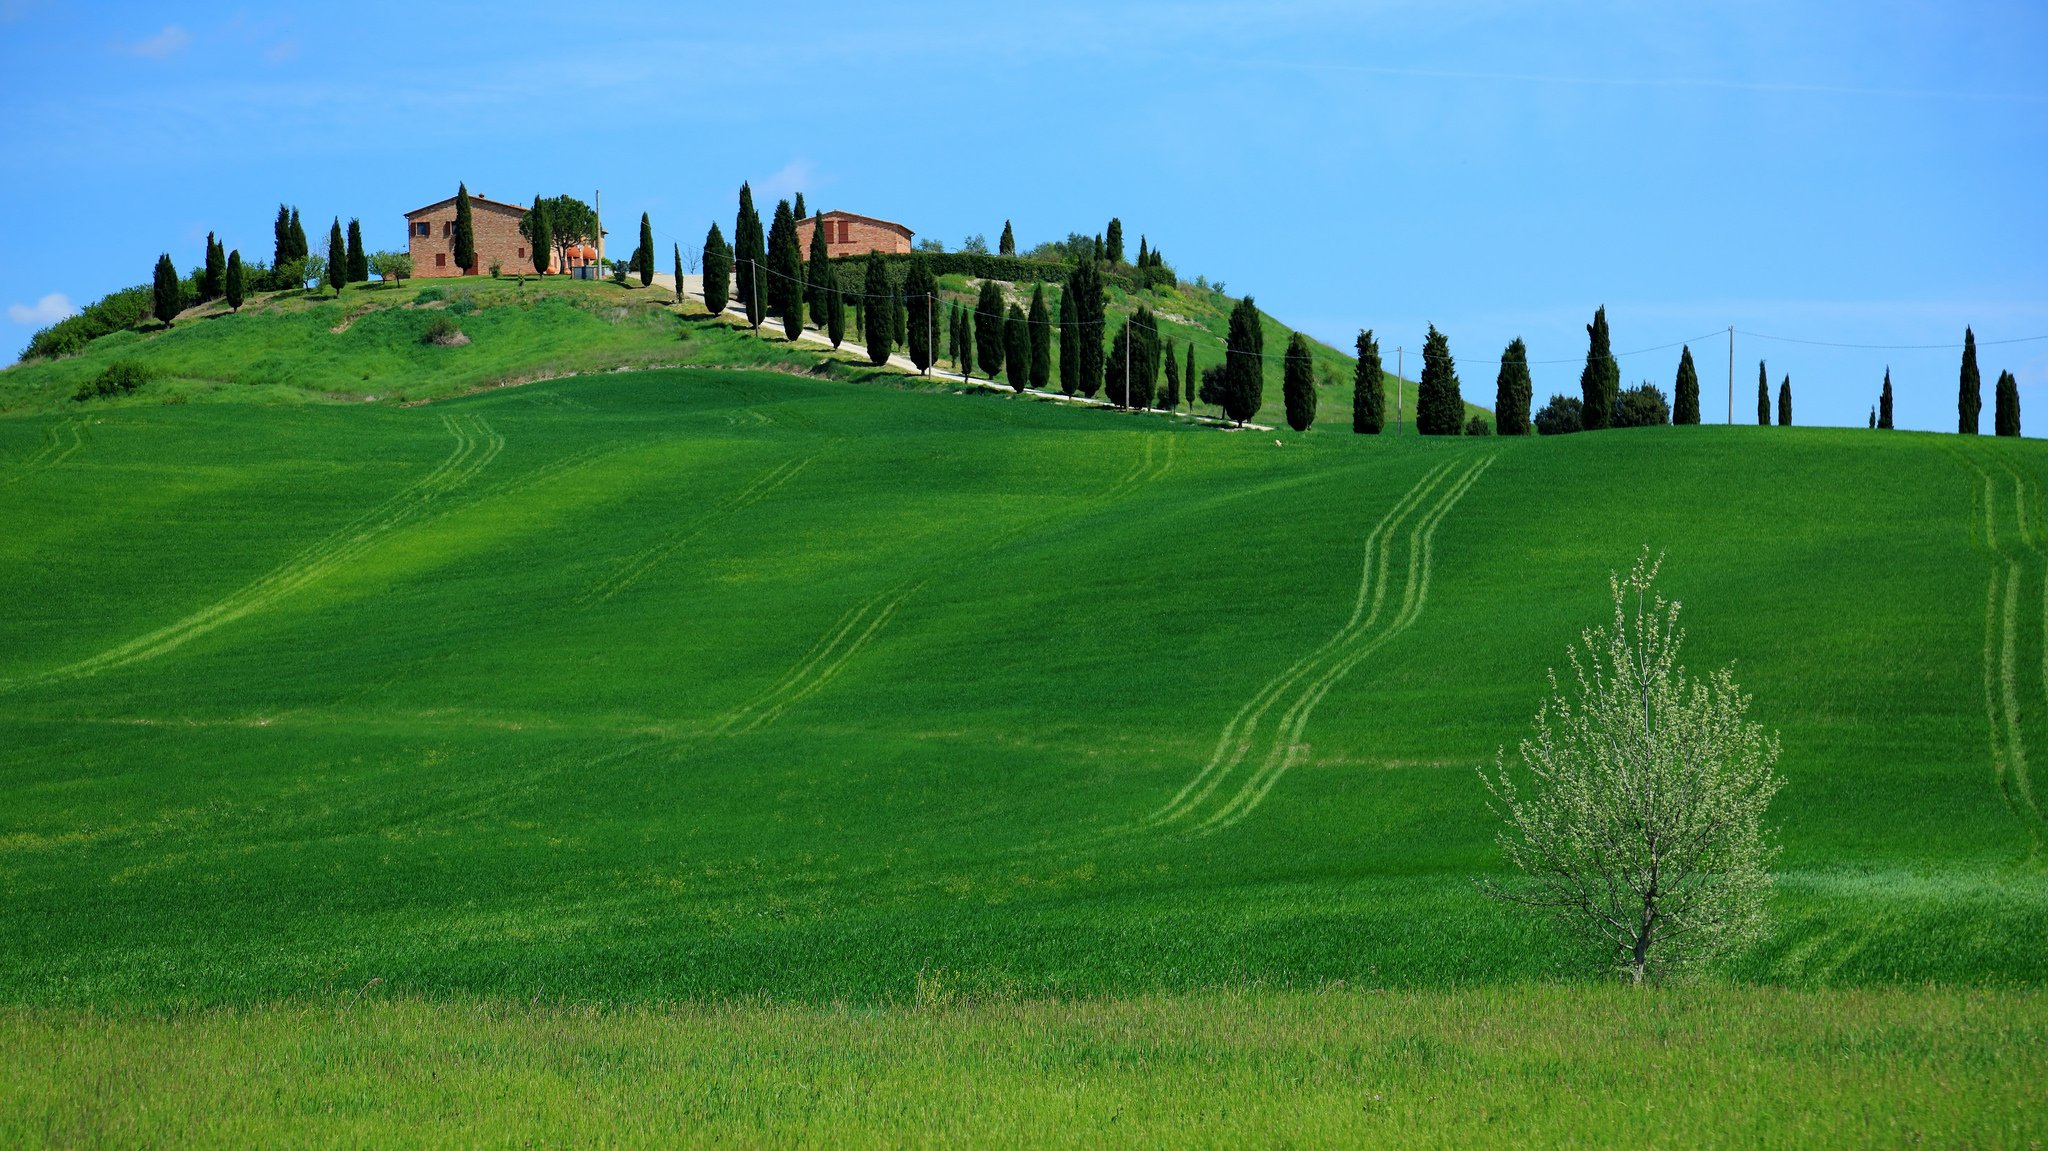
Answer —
43 312
168 42
795 176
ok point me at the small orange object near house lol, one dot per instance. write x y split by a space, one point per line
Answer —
430 237
849 235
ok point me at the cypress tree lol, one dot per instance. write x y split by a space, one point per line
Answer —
1144 253
966 360
1113 247
717 271
1873 417
835 312
819 269
1368 387
1884 401
210 286
1513 391
1090 316
747 245
1145 364
1970 399
784 274
1685 393
876 304
358 260
1070 344
168 296
543 239
2005 418
337 257
1007 246
282 231
1600 381
1439 403
236 285
1040 319
1171 400
300 249
1017 348
1785 403
1115 387
1244 365
1098 247
801 214
679 272
901 314
465 232
1188 378
953 333
921 292
988 328
1298 384
1763 395
646 265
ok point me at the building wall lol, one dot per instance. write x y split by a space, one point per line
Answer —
497 240
850 236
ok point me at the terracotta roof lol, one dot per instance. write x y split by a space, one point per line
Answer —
856 216
474 200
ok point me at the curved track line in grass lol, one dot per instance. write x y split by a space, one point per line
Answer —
1287 749
2021 774
636 566
60 441
476 445
2009 770
1240 733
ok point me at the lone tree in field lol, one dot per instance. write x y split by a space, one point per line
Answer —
167 297
1007 246
1637 815
717 271
1513 391
877 301
1040 319
646 264
1970 396
988 328
235 283
1298 384
1884 402
541 236
1685 393
1439 403
1763 396
337 257
1368 388
1600 381
465 231
358 261
1244 363
1785 403
2005 419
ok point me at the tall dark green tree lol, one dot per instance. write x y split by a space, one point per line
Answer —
211 281
921 294
1368 388
1190 382
358 260
1244 378
1763 395
282 231
236 285
337 257
1439 402
1970 398
1298 384
784 274
953 332
1170 397
167 297
1600 381
1685 392
901 315
1144 253
1785 403
1513 391
300 248
717 271
1017 348
1884 401
542 237
1113 243
679 272
818 269
465 232
1070 344
1090 325
646 265
988 328
835 311
801 212
1133 365
878 299
747 250
2005 417
966 357
1040 321
1007 246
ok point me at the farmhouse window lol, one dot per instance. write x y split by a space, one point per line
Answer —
447 228
440 259
522 253
421 229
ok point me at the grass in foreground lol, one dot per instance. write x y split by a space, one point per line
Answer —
1515 1066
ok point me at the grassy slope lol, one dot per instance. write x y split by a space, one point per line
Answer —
697 683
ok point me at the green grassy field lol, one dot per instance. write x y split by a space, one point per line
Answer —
707 686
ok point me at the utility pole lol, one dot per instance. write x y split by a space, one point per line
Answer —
597 214
1400 387
1731 375
931 332
1127 365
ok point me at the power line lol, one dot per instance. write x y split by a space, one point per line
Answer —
1887 347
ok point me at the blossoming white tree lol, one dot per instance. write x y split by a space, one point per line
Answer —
1637 816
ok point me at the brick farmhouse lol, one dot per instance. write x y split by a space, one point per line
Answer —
849 235
430 237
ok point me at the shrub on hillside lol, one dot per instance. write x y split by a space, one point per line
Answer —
1477 426
1562 416
442 332
429 295
1643 406
117 378
114 312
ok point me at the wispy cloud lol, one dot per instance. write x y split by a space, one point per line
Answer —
43 312
796 176
169 42
282 52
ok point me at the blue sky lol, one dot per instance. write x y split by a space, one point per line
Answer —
1846 173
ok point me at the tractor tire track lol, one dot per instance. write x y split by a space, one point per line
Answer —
2002 630
61 441
636 566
